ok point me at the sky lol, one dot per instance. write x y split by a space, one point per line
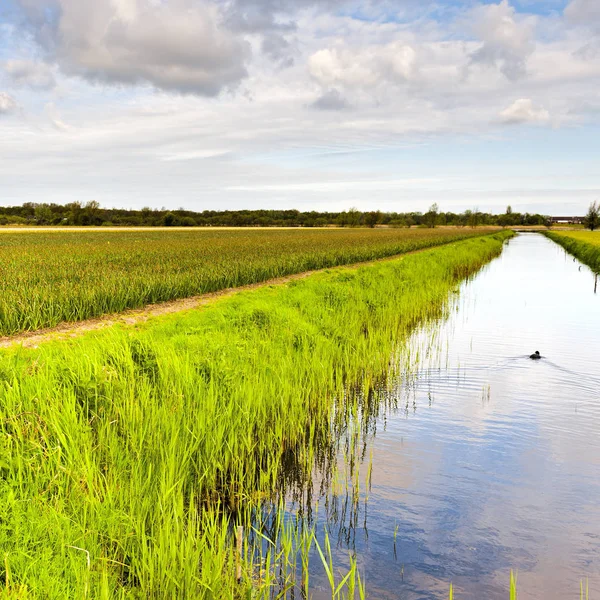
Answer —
309 104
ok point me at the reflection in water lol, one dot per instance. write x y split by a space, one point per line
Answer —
478 460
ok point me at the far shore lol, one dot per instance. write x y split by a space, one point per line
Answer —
78 228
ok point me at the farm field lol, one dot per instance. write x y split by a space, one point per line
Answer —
130 454
50 277
584 245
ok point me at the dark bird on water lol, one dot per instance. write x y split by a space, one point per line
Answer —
536 355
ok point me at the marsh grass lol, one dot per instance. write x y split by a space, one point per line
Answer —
48 278
128 457
585 589
512 593
584 245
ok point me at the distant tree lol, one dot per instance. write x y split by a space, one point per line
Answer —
372 218
43 214
508 218
74 213
536 220
147 215
430 218
91 213
169 220
28 210
592 219
472 217
353 217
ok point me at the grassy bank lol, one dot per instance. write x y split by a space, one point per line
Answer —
128 455
584 245
47 278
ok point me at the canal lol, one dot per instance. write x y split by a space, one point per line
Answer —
482 460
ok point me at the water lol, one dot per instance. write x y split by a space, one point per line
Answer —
488 460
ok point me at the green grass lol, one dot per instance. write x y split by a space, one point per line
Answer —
128 455
584 245
50 277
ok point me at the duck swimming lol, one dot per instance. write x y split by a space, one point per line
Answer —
536 355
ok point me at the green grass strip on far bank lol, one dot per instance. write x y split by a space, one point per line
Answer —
584 245
127 455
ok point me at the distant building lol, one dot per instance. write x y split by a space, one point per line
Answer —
568 220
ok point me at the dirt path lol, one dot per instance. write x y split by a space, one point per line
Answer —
31 339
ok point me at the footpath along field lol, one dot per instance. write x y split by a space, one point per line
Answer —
50 277
128 455
584 245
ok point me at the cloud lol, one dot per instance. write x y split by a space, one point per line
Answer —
524 111
507 41
586 13
179 45
26 73
55 119
274 23
7 104
331 100
363 67
278 49
583 12
370 84
259 16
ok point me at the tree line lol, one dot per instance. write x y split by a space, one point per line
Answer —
92 214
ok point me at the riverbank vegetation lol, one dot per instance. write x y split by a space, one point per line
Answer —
50 277
592 218
584 245
131 456
92 214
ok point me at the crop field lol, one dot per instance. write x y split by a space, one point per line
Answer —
50 277
585 245
131 455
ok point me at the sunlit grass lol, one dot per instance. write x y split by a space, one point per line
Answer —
128 457
584 245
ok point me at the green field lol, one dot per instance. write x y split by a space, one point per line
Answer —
585 245
129 454
54 276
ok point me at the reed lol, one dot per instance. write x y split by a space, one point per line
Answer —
584 245
47 278
129 456
512 594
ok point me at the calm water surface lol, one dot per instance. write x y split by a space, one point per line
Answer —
489 460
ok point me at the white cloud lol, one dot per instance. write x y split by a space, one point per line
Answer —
586 15
365 75
507 41
363 67
7 103
179 45
524 111
584 12
55 118
29 73
326 96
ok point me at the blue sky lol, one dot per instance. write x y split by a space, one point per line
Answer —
326 104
